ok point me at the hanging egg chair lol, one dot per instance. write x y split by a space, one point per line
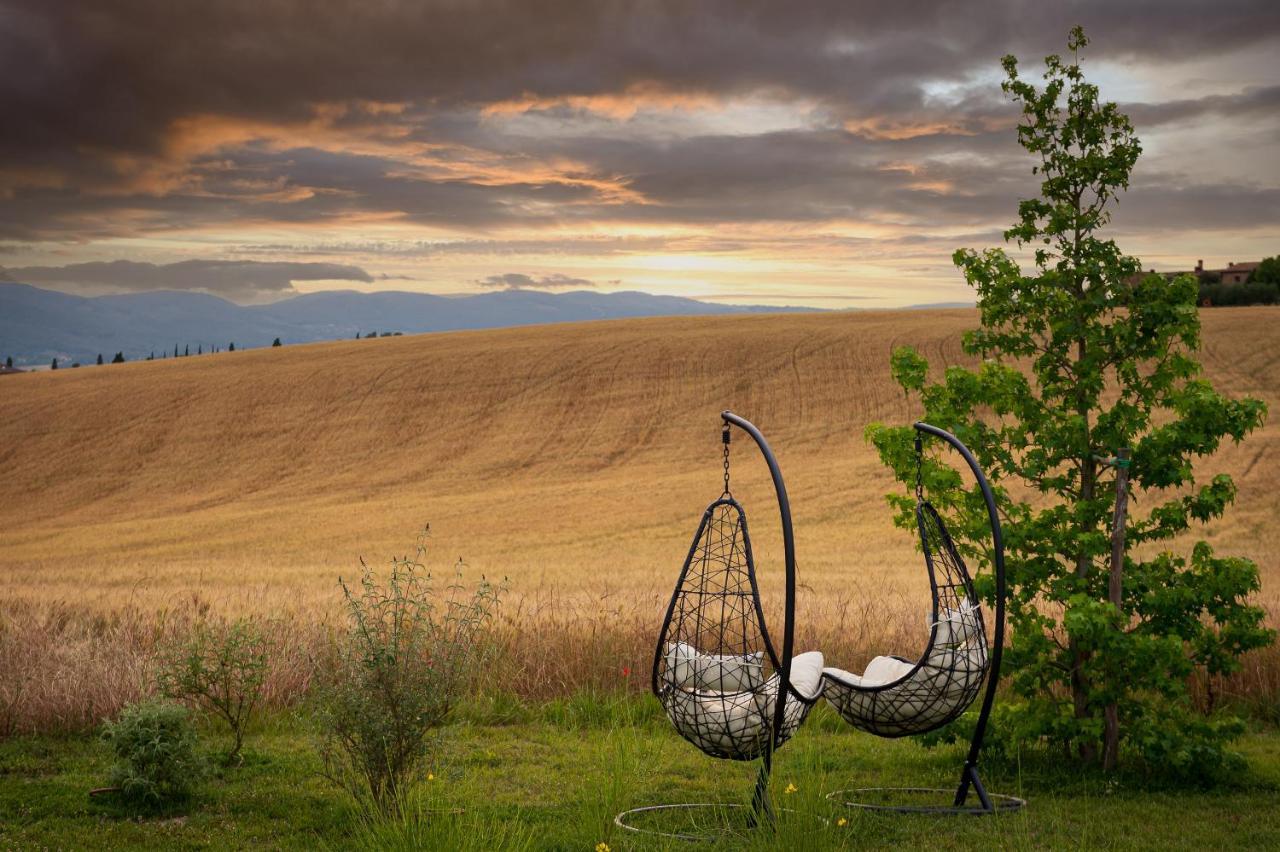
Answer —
725 686
897 697
715 670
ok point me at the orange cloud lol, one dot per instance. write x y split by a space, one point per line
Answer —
885 128
620 107
338 128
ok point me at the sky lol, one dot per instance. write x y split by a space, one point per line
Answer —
823 154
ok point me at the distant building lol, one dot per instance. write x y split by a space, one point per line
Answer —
1234 273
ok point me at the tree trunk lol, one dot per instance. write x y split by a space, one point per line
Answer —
1115 590
1079 656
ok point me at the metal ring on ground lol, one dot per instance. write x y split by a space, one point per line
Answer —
719 831
1001 804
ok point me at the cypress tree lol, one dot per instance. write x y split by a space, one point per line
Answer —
99 359
276 342
8 362
54 366
119 359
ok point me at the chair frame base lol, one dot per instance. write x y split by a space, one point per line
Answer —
621 820
997 803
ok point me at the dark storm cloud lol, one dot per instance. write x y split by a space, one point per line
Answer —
1254 102
520 281
116 75
102 106
1197 206
239 280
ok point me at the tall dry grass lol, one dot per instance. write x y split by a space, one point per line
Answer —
66 669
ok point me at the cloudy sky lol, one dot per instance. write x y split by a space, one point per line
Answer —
825 153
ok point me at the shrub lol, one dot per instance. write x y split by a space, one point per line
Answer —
408 654
157 763
219 667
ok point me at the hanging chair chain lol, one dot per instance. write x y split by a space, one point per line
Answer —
724 437
919 471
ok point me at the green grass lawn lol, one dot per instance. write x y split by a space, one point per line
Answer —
553 778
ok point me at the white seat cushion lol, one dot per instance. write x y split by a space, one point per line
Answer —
879 671
806 673
957 626
688 668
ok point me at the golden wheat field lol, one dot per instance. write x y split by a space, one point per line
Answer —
576 456
573 459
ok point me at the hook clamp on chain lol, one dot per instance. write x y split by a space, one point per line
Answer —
724 437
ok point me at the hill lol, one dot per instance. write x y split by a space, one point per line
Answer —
575 457
38 325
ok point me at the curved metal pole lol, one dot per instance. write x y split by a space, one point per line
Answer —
970 774
760 800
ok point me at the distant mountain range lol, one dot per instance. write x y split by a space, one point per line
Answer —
38 325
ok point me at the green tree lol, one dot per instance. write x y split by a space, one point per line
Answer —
119 359
1080 360
99 359
276 342
1268 272
8 362
232 347
54 365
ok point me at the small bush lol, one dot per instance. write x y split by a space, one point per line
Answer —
157 763
408 654
219 667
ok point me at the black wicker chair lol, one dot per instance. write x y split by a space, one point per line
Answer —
896 697
723 683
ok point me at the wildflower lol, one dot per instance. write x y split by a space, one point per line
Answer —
842 822
626 671
791 788
602 847
431 776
